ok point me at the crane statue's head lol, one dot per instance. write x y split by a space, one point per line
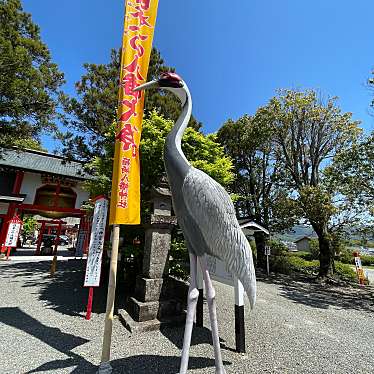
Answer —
168 81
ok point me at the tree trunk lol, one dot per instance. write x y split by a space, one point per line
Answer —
260 247
326 253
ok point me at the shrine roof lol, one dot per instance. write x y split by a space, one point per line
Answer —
42 162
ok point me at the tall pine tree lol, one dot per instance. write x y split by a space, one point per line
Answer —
29 80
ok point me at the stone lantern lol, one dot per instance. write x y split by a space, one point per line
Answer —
153 302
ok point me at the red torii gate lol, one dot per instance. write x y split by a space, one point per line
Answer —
54 222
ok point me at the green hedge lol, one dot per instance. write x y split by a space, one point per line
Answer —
345 272
366 260
295 263
346 257
302 254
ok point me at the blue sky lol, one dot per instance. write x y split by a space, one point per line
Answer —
232 54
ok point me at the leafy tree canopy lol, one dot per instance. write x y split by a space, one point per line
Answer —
29 81
307 135
94 109
258 183
202 151
29 143
30 224
260 195
353 173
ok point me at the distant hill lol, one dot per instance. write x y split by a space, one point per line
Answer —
297 232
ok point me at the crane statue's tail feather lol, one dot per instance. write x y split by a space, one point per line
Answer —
239 262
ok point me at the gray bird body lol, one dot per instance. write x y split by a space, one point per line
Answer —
207 218
205 211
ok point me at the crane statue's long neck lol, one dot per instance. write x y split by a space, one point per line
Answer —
176 163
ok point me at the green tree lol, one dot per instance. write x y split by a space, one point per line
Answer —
307 135
29 143
29 81
258 184
202 151
353 172
90 114
29 225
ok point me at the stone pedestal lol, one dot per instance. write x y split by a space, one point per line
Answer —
153 302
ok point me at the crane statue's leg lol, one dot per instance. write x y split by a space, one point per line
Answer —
211 299
193 294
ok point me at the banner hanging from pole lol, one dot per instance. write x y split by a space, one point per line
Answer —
140 19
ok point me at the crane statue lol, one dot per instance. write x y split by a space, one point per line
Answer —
207 218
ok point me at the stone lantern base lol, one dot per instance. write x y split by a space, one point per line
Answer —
157 299
148 315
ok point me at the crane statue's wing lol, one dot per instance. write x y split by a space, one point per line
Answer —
212 210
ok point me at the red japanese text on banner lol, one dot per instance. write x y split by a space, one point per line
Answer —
140 19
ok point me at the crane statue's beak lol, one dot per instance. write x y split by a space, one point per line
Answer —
145 86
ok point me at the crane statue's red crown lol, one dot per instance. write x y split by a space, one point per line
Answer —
170 79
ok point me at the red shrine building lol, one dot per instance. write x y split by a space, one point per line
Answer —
39 183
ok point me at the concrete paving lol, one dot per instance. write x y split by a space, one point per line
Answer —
26 254
295 327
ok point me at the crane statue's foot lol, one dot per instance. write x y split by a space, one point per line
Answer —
221 370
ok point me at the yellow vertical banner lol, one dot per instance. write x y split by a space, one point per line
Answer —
140 19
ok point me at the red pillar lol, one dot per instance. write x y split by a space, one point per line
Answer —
37 252
57 238
89 303
12 206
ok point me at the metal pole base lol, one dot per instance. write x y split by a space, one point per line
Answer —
239 329
200 309
105 368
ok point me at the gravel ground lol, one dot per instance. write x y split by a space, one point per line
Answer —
295 328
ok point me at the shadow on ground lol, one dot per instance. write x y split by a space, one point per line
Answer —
200 335
140 364
310 293
54 337
65 343
150 364
64 292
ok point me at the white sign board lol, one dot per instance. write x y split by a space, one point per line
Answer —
358 262
80 242
95 251
12 234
